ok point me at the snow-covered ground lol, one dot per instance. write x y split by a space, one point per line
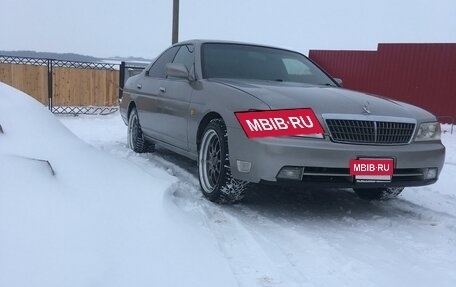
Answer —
110 217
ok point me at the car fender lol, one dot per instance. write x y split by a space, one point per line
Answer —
217 98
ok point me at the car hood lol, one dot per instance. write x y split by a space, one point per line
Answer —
325 99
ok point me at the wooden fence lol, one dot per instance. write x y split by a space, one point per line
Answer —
85 87
63 84
30 79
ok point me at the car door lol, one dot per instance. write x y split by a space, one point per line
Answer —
176 93
149 102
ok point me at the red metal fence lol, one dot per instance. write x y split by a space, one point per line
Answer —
420 74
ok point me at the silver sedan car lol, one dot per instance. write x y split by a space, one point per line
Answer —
187 98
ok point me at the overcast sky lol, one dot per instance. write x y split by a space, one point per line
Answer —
143 27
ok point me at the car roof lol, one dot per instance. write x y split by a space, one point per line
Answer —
199 42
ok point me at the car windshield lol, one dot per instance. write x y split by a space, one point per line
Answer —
236 61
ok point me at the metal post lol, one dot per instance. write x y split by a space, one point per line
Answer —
175 21
49 68
121 78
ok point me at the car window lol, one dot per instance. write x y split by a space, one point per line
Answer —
185 56
295 67
238 61
158 68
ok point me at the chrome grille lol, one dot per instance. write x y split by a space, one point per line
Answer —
370 132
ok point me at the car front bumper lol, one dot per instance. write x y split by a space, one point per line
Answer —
326 163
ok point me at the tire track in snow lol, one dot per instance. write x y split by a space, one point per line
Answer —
289 247
249 262
251 265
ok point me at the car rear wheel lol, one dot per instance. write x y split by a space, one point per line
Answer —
214 172
136 140
378 193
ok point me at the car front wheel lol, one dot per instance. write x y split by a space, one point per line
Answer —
214 172
378 193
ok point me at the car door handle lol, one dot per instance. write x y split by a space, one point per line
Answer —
163 90
139 86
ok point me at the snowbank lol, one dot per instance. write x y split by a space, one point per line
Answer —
98 221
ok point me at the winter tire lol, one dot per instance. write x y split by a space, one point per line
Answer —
378 193
136 140
214 172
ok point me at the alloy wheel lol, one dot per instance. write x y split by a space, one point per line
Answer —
210 161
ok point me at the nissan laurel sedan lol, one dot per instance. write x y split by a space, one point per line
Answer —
186 101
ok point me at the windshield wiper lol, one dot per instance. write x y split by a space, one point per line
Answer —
328 85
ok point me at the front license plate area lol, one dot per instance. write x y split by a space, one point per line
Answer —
372 178
372 170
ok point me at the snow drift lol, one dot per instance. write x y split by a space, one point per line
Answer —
98 221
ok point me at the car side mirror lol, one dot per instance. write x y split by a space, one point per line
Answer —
176 70
339 81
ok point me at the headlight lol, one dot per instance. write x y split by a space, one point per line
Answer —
428 132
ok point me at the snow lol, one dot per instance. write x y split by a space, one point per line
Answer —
110 217
100 221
